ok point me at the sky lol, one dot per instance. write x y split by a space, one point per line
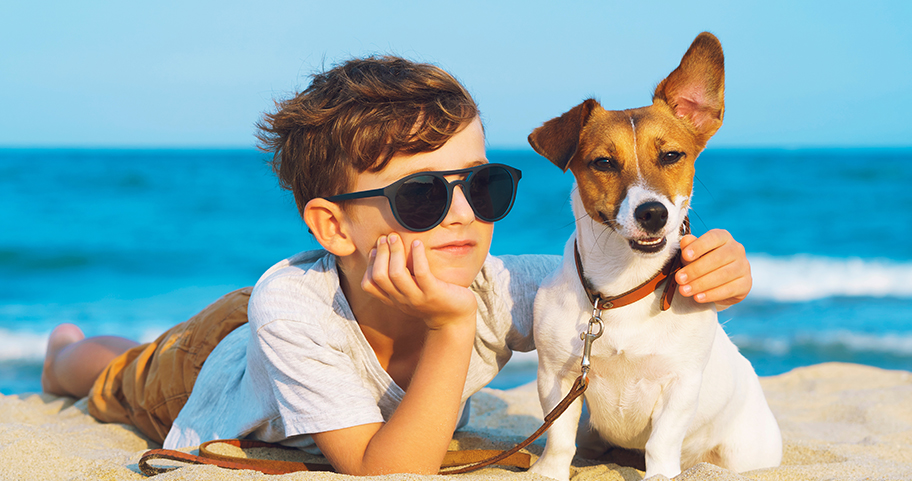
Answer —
191 74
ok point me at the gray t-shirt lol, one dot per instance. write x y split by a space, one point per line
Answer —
302 365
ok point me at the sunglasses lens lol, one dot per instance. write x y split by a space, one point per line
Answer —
492 192
420 202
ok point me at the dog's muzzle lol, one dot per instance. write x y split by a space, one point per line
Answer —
651 217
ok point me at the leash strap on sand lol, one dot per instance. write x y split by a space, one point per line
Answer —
147 465
207 456
579 387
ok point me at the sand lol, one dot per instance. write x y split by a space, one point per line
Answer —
839 422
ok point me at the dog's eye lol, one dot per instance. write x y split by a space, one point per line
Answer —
669 158
605 164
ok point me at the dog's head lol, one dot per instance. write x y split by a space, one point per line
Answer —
634 168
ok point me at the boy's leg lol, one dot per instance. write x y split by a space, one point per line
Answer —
73 362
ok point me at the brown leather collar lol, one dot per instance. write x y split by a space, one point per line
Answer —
602 303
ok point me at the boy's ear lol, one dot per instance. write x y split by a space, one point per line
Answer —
329 225
695 90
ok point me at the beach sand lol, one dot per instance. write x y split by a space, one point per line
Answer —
838 421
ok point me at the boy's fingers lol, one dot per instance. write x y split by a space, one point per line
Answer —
367 282
724 295
710 281
715 250
695 248
686 240
399 275
717 269
424 278
379 272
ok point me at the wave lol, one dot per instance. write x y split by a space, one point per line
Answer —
30 346
839 341
805 278
22 345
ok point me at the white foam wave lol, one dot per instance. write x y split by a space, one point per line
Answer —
22 345
889 344
30 346
804 278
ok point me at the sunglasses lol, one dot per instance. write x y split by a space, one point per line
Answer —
421 201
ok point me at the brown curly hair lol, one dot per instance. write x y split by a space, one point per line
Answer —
355 117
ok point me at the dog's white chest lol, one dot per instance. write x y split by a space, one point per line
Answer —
624 389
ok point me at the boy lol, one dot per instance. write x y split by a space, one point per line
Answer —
368 350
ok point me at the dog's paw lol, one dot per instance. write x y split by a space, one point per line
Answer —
550 471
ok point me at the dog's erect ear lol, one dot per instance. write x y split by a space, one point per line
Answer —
558 138
695 90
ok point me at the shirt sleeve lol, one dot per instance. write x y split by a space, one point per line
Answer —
522 276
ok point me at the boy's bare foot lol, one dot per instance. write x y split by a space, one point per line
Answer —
61 337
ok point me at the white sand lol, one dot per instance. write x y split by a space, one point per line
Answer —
839 422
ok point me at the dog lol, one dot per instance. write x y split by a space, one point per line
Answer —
667 382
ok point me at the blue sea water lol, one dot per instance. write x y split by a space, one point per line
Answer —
130 242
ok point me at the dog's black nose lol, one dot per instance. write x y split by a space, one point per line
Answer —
651 216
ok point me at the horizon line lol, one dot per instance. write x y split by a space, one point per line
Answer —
516 148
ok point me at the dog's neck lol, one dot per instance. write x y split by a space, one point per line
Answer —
612 267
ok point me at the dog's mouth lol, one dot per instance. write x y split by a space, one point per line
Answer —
649 245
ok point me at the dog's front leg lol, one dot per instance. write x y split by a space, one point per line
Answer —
671 419
561 444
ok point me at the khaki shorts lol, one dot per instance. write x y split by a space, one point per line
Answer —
148 385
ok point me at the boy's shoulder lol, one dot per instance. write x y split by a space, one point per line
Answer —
319 261
535 262
306 279
524 268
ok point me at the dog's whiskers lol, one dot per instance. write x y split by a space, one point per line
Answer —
705 227
705 188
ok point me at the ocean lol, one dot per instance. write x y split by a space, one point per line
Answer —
130 242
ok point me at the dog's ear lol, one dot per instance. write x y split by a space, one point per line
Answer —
696 89
558 138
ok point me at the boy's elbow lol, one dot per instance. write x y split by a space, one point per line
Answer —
393 465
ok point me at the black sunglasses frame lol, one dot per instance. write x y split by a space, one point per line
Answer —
391 190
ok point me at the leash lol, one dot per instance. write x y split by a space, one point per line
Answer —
455 462
207 455
579 387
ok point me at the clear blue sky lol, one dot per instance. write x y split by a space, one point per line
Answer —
199 74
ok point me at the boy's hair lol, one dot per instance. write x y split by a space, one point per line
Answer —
355 117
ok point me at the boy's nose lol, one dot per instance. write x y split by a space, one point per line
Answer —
460 210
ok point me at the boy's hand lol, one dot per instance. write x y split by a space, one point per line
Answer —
716 269
417 292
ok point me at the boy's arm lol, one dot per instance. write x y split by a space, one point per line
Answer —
417 435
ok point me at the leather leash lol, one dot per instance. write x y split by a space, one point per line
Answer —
207 456
455 462
579 387
268 466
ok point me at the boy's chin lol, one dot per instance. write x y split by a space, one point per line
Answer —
461 277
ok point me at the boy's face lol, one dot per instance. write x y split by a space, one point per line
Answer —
457 248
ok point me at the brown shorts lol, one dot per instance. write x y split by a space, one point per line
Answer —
148 385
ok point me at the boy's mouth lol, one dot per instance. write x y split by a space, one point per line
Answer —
456 247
